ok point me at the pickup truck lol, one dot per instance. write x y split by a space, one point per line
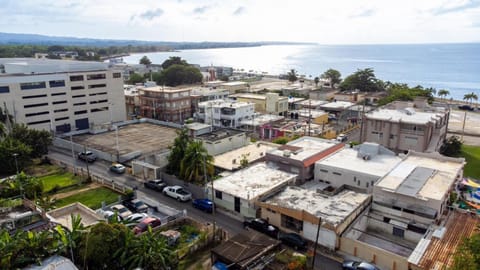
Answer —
177 192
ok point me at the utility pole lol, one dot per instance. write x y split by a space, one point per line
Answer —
309 115
213 197
86 161
316 242
463 125
116 139
73 154
361 123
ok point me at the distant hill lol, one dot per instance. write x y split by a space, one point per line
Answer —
33 39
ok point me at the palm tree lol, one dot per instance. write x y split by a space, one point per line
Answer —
316 80
467 97
177 151
292 75
443 93
474 96
196 160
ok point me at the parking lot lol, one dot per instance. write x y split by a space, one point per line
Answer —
144 137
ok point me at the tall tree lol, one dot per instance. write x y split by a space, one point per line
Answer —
443 93
136 78
176 75
363 80
177 151
145 61
333 76
174 60
195 162
292 75
38 140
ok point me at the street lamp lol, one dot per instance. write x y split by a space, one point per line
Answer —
16 163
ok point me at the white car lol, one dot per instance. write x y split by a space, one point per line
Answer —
136 218
121 210
177 192
342 137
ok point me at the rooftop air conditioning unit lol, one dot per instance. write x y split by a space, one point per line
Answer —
286 153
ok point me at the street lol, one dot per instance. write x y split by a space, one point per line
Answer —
230 225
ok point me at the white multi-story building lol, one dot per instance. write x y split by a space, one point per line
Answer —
61 95
221 113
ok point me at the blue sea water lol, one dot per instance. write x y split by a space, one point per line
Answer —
455 67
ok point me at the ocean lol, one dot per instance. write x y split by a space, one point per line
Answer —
455 67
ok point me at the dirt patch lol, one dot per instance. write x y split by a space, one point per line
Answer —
59 196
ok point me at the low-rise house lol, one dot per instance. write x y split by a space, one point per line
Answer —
318 117
297 89
336 107
299 156
232 160
322 94
132 101
313 104
403 126
235 86
196 129
63 215
358 168
303 210
261 125
226 114
353 97
201 94
239 192
220 141
270 103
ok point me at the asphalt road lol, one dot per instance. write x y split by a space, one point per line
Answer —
167 205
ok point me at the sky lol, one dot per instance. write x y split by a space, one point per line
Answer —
319 21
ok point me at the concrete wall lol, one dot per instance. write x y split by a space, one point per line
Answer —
378 225
384 259
326 237
218 147
349 178
247 208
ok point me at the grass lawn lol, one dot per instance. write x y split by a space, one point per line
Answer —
58 179
472 156
92 198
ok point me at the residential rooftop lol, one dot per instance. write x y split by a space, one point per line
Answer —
331 209
261 119
337 105
305 112
422 175
304 147
220 103
233 83
219 134
231 160
368 158
164 89
254 181
408 115
64 214
312 102
295 100
197 126
205 91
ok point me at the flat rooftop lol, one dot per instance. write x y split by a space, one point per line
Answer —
337 105
220 103
295 99
408 115
332 209
197 126
201 91
32 66
349 159
424 176
64 214
164 89
309 146
233 83
219 134
251 96
253 181
144 137
305 112
261 119
253 152
312 102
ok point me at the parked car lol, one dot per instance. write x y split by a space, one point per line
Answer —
177 192
143 226
342 137
204 205
262 226
293 240
156 184
108 215
117 168
87 156
136 205
353 265
121 210
136 218
466 107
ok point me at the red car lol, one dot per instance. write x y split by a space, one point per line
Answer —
143 226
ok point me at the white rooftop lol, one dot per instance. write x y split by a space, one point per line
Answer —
295 99
378 164
305 112
254 181
197 126
42 66
408 115
252 152
261 119
250 96
310 146
220 103
332 209
312 102
421 175
204 91
233 83
337 105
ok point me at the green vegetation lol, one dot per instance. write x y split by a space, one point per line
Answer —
281 140
467 255
196 163
145 61
472 157
363 80
22 184
470 97
399 91
292 75
91 198
334 76
55 181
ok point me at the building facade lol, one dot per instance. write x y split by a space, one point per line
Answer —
61 96
165 103
270 103
226 114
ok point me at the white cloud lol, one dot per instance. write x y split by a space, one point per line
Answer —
340 21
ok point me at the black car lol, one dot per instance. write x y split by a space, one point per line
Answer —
156 185
293 240
262 226
87 156
136 206
466 107
353 265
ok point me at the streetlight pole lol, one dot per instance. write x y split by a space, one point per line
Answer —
213 197
316 242
16 163
73 153
86 162
116 138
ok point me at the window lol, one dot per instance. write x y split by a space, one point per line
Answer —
80 112
34 96
336 173
35 105
117 75
33 85
367 184
98 94
79 87
4 89
324 171
61 118
99 101
59 102
354 179
99 109
218 194
35 114
59 94
358 183
99 76
56 83
372 182
291 223
76 78
38 122
97 86
79 103
386 219
60 110
78 96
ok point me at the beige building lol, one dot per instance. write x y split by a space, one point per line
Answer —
271 103
402 126
60 95
165 103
